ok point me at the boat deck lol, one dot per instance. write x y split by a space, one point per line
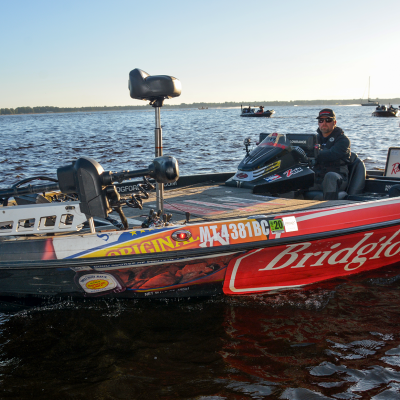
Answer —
208 202
205 201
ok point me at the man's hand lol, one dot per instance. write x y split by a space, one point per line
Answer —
317 149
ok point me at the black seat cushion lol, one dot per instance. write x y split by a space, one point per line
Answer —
355 185
357 175
319 195
142 86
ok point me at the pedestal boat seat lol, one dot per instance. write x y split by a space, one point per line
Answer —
355 185
155 89
142 86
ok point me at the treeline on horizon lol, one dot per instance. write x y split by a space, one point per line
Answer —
51 109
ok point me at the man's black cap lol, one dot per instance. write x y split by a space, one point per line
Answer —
327 112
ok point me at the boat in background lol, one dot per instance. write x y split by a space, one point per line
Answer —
250 112
236 233
370 102
383 111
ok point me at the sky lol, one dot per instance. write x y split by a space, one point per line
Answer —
79 53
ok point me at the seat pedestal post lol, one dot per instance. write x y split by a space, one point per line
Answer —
157 104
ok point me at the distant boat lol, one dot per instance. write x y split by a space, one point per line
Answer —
383 111
249 112
370 102
203 108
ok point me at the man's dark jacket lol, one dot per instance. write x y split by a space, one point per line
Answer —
334 154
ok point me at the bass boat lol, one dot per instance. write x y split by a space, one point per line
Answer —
251 112
91 233
383 111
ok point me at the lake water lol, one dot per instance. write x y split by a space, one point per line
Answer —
337 340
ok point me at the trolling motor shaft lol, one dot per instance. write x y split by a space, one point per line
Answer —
163 169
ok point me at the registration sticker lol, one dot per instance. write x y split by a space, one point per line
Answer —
276 225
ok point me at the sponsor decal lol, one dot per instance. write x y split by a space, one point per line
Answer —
206 235
294 256
175 275
332 139
308 262
266 170
388 187
134 187
272 167
395 168
241 175
93 283
272 178
291 172
127 188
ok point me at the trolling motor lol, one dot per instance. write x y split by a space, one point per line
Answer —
98 195
93 187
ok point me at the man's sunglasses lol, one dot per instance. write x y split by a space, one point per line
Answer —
321 120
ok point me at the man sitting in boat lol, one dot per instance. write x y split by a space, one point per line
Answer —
261 110
331 171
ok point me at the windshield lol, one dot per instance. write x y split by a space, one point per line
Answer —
276 140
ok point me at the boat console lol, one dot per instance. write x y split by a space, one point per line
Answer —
279 164
282 164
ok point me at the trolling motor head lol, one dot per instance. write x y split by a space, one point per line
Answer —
164 169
